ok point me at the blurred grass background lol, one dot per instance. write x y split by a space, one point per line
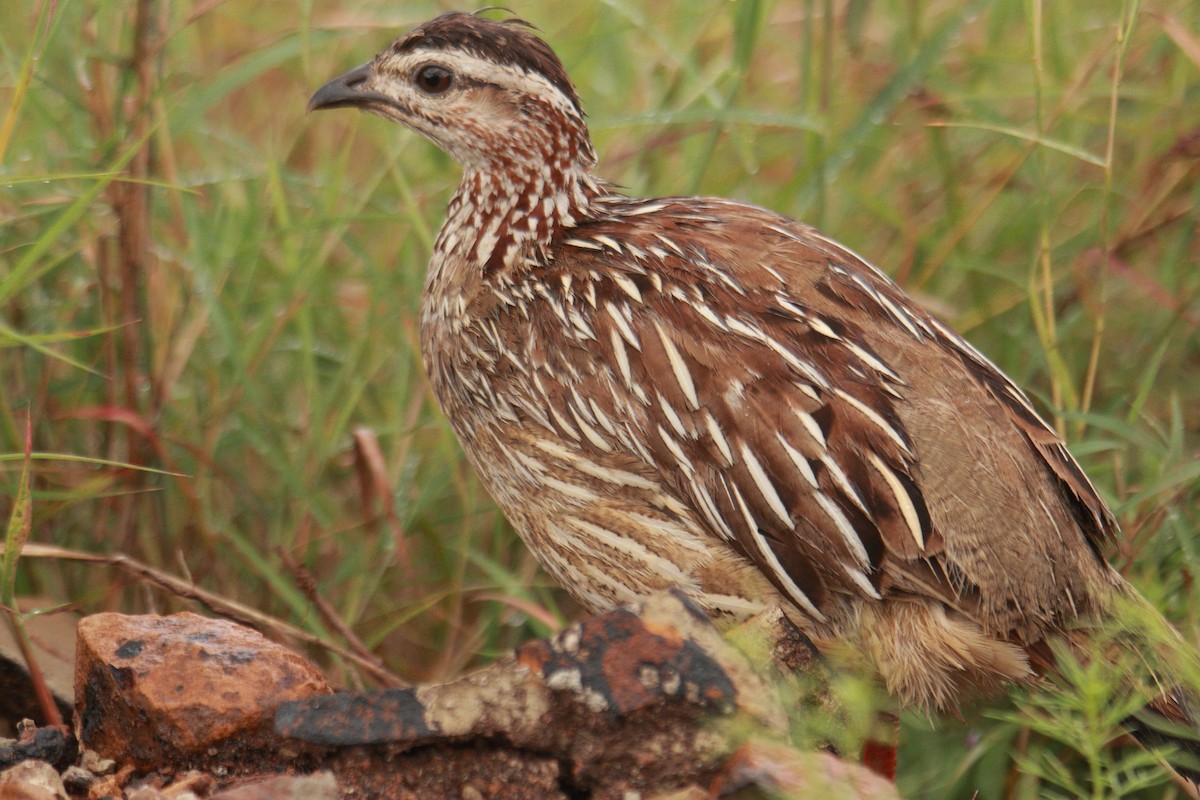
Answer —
208 299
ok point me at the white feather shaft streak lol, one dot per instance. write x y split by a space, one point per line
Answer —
875 419
590 433
718 437
860 580
627 286
682 375
672 416
573 459
790 587
849 535
908 509
709 509
839 477
801 463
654 563
623 325
765 487
618 348
810 425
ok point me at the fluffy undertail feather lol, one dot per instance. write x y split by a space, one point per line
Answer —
932 658
1148 676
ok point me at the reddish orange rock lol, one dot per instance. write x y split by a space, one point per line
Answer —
183 691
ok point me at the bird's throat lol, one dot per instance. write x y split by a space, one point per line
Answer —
500 220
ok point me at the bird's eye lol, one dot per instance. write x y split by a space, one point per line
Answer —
433 79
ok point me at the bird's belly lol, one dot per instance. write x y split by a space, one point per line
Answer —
603 528
600 520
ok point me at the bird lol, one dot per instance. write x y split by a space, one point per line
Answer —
697 394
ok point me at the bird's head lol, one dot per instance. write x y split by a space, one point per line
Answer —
491 94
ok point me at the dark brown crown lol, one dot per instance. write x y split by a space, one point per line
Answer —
509 42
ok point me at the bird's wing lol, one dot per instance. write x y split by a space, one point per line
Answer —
855 284
772 418
772 422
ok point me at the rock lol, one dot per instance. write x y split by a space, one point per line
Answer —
617 704
648 701
448 772
109 786
22 791
54 744
184 691
692 792
31 780
78 780
192 785
779 771
145 793
318 786
95 763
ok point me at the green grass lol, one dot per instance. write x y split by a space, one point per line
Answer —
1029 170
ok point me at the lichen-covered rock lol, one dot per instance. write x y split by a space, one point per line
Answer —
647 701
614 706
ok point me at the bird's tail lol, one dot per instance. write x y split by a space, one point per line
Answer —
1170 719
1172 722
1136 669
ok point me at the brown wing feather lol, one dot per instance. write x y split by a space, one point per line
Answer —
1022 526
1090 510
771 421
768 387
860 285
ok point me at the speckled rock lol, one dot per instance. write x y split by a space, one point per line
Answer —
184 691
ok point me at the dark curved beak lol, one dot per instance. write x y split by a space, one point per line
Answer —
344 90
